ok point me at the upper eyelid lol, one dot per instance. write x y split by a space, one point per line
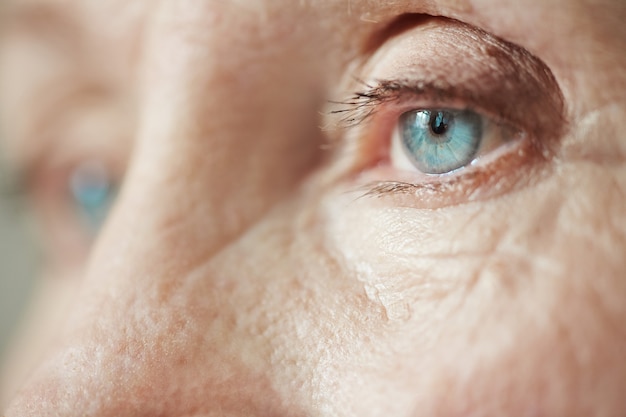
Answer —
494 73
364 104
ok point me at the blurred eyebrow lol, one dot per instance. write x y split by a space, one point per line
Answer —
44 23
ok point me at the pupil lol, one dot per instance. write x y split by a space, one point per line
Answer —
439 123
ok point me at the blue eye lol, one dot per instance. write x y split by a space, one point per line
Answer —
93 192
440 141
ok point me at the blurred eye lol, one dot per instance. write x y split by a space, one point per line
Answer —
71 202
93 191
439 141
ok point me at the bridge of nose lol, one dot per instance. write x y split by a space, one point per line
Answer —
222 137
219 143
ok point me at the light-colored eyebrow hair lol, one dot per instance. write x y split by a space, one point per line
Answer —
47 23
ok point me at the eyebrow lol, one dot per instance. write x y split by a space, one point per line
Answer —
597 21
43 22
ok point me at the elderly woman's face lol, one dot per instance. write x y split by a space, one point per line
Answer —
321 207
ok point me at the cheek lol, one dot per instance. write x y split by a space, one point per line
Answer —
418 255
492 306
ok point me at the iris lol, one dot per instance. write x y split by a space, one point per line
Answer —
93 192
441 141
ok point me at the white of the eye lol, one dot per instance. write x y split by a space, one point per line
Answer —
398 156
493 136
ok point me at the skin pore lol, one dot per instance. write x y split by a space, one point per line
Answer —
264 257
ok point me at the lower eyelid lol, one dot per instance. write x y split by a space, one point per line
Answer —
514 167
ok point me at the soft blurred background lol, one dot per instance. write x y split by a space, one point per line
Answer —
18 259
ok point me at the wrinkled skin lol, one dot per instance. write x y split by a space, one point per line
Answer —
243 272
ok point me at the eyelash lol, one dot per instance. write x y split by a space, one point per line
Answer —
405 95
364 104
